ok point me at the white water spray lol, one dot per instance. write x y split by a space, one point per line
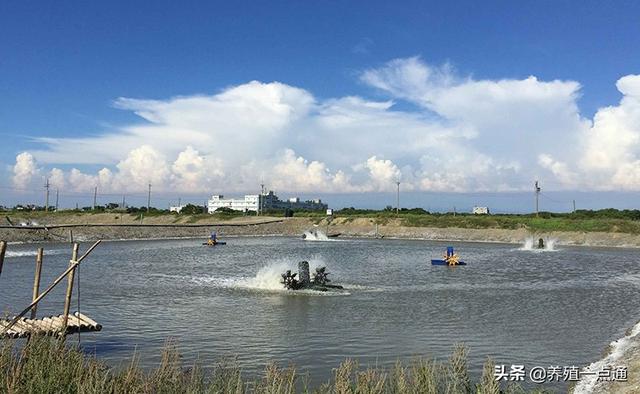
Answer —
616 356
530 244
268 278
315 235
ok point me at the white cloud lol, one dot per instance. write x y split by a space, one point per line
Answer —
56 178
295 173
24 170
462 134
195 173
607 154
383 174
142 166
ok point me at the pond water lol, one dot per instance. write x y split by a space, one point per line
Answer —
517 305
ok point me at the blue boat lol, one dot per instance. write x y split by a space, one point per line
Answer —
450 259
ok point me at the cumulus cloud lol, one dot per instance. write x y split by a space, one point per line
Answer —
56 178
295 173
24 170
383 174
607 154
196 173
460 134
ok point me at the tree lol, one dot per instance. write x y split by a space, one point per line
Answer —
191 209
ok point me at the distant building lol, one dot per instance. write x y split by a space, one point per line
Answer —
176 208
267 201
480 210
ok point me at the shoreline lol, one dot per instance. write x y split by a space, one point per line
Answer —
624 351
362 228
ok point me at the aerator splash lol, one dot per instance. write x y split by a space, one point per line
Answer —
450 258
319 282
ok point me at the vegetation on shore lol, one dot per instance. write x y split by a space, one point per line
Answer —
47 365
605 220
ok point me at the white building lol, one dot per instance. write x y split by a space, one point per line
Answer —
250 202
267 201
480 210
176 208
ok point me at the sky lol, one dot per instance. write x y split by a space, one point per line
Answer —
464 103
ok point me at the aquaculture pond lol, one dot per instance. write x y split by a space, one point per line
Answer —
518 305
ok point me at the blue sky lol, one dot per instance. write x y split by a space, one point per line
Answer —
64 65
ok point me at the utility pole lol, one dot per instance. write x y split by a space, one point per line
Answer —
57 191
95 197
454 210
574 206
179 200
261 199
537 191
123 202
398 198
149 199
46 198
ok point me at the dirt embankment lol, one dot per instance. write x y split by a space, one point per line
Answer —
362 227
87 227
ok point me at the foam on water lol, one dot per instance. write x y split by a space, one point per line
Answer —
530 242
617 350
22 253
267 278
315 235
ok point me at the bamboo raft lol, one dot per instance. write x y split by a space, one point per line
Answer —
51 325
63 324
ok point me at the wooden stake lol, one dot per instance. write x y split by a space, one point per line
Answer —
36 281
3 248
48 289
70 278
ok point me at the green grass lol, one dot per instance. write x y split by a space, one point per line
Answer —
612 221
47 365
530 223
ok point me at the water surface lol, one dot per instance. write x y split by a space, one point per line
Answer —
518 306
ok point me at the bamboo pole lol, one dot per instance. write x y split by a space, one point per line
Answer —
3 248
48 289
36 281
70 278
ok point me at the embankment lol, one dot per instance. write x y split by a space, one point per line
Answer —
92 227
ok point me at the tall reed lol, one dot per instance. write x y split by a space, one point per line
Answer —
48 365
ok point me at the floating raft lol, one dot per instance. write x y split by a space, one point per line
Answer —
217 243
49 326
444 262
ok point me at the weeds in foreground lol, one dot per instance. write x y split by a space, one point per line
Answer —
47 365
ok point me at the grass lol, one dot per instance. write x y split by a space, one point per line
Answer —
47 365
581 221
530 223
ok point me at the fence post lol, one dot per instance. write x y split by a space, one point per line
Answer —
67 300
3 248
36 281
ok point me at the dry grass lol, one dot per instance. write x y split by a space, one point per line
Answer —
47 365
